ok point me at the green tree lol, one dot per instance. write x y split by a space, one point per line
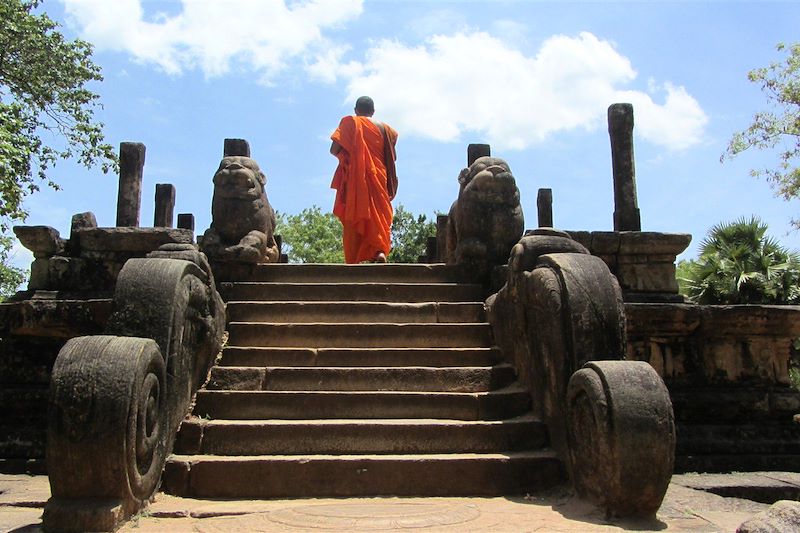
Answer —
10 277
778 127
46 109
409 236
311 236
740 264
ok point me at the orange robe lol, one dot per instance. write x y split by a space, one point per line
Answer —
362 202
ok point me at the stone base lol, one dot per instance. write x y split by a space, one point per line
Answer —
84 515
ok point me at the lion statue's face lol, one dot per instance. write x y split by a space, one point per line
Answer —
489 179
239 177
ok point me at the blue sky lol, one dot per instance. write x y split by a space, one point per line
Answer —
533 79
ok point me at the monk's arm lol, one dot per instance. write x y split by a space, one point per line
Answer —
335 148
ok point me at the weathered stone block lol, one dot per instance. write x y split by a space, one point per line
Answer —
186 221
236 148
55 318
647 277
79 221
40 274
475 151
650 242
781 516
604 242
43 241
693 344
132 240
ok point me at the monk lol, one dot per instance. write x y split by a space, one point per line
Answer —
365 183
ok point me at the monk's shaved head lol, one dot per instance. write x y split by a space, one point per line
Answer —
365 107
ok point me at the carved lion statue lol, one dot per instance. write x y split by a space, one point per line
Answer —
486 220
242 219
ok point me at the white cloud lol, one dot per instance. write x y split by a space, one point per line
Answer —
328 67
461 83
261 35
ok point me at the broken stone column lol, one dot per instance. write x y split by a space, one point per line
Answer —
620 129
186 221
474 151
236 147
165 205
544 205
79 221
129 196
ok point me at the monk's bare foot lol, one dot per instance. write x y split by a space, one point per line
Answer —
380 257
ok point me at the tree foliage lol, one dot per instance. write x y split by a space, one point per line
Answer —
311 236
409 236
10 277
46 110
778 127
740 264
316 237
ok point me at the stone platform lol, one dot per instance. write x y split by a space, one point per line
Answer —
690 505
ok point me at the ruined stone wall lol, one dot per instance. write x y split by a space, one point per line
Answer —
31 334
727 370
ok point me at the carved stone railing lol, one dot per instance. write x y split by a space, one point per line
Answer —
116 400
560 319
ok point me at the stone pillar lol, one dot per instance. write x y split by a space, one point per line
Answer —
165 205
129 196
474 151
544 205
186 221
79 221
441 238
236 147
620 129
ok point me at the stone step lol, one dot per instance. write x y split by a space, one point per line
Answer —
352 292
301 405
419 379
286 476
362 357
360 335
389 436
369 312
385 273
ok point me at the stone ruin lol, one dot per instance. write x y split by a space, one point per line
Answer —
632 381
102 353
726 367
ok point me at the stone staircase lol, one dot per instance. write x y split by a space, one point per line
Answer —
359 380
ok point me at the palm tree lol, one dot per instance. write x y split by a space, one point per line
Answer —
740 264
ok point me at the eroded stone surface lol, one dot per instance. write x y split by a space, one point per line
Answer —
43 241
780 517
131 240
243 221
486 220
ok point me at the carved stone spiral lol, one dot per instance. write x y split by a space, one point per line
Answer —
107 419
621 433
